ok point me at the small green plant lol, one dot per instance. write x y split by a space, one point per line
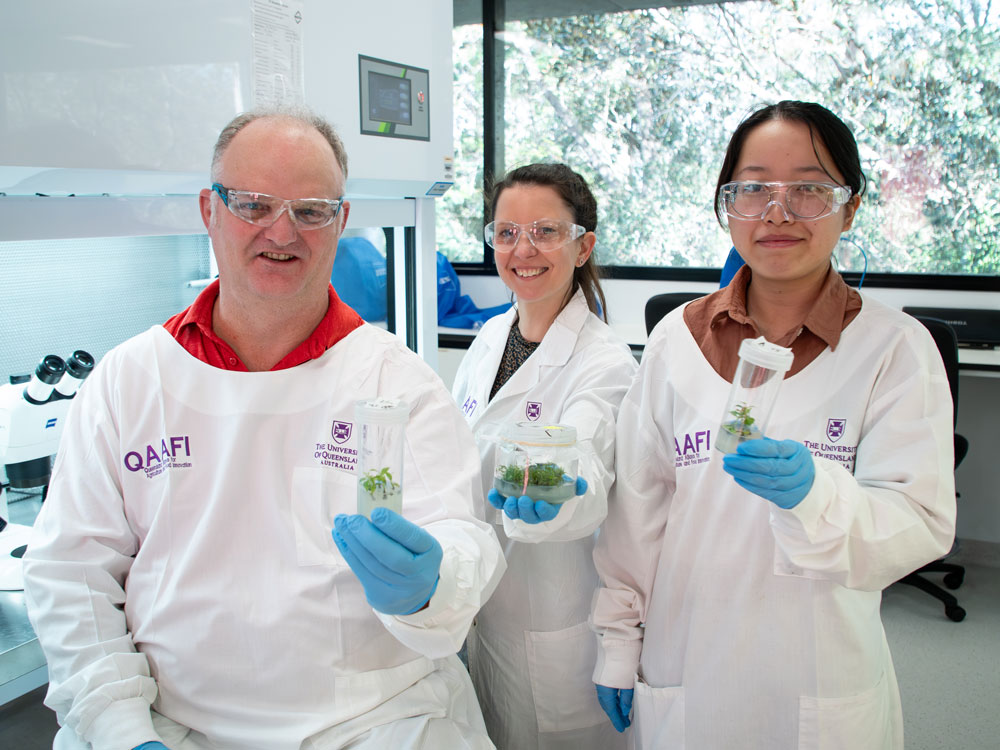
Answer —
539 475
741 425
380 480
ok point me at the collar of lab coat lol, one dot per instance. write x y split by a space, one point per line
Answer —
555 349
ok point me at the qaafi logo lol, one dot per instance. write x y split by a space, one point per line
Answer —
533 410
835 429
341 432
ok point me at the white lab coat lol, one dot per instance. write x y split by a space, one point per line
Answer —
183 558
762 627
531 652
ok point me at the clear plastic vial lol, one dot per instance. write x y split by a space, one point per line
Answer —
754 392
382 423
540 461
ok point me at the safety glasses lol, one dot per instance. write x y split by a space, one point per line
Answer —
546 235
750 201
264 210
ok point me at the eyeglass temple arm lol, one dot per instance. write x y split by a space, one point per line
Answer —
222 191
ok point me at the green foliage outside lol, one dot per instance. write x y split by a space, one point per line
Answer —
642 103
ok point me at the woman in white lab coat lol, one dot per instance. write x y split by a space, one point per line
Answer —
740 594
550 359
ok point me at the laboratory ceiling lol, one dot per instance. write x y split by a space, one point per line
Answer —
470 11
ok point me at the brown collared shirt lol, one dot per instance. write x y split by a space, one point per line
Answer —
719 323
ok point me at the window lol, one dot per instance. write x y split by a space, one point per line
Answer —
459 225
642 103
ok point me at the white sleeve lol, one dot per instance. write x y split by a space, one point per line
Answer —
897 511
75 571
470 571
628 547
593 410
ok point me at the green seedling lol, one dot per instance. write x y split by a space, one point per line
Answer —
539 475
378 480
741 425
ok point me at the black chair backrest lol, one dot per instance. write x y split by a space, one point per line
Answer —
660 304
947 343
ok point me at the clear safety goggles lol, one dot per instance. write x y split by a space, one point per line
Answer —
750 201
546 235
264 210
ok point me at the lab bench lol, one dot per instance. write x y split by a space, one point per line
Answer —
22 664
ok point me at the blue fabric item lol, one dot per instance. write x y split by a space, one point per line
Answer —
359 277
396 561
617 704
781 471
151 746
457 310
733 264
448 286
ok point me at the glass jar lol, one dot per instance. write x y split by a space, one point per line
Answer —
382 423
540 461
754 392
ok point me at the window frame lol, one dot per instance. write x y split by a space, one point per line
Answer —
493 134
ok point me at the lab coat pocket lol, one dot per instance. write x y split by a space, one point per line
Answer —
855 722
657 716
317 496
560 665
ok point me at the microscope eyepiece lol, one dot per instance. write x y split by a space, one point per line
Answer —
78 367
48 372
50 369
80 364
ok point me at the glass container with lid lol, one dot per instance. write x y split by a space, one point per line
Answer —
382 423
540 461
759 373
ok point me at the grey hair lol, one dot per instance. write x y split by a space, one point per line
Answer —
298 114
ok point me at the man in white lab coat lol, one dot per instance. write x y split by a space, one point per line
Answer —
185 579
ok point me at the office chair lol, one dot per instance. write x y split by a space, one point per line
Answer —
947 343
660 304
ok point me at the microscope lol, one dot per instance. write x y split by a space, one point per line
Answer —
32 410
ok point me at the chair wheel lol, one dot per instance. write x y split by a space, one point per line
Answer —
956 613
954 580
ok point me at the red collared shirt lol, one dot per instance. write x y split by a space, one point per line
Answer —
719 323
192 329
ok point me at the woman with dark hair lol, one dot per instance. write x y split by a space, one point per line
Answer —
551 359
740 592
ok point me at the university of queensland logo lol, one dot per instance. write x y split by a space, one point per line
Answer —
835 429
341 432
533 410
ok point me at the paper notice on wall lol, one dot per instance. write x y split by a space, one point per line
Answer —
276 26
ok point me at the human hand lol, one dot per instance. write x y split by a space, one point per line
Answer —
151 746
781 471
617 704
530 511
396 561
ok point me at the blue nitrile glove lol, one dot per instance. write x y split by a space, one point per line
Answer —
528 510
396 561
617 704
781 471
151 746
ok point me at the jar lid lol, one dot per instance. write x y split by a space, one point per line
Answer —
763 353
532 433
381 410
